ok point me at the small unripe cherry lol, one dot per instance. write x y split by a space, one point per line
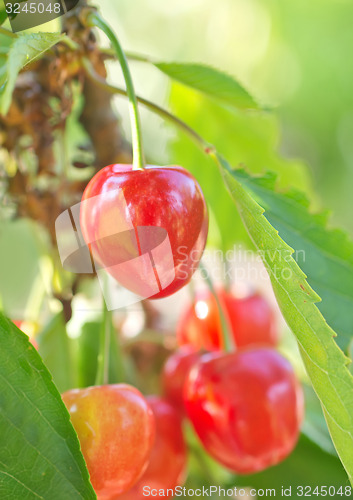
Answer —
246 407
116 427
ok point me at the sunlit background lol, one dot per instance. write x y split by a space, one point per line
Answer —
292 55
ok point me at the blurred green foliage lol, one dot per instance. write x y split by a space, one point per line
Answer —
24 274
290 54
249 138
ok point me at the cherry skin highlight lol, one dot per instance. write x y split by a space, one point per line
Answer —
116 428
148 227
174 374
246 407
168 458
251 320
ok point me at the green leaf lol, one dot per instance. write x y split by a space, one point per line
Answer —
39 455
3 14
23 249
325 363
314 425
5 43
54 348
325 256
210 81
251 138
24 49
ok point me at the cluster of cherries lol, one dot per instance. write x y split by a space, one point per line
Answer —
246 406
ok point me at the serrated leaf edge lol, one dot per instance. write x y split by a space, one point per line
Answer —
328 333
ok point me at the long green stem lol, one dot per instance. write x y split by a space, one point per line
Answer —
163 113
228 341
102 377
139 58
93 19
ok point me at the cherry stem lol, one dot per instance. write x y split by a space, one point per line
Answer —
93 19
102 377
227 280
163 113
228 342
139 58
201 143
116 345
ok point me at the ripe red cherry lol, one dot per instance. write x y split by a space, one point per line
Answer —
167 464
251 320
148 227
246 407
115 426
175 372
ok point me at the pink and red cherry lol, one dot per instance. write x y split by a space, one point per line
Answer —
246 407
116 429
148 227
251 319
168 458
